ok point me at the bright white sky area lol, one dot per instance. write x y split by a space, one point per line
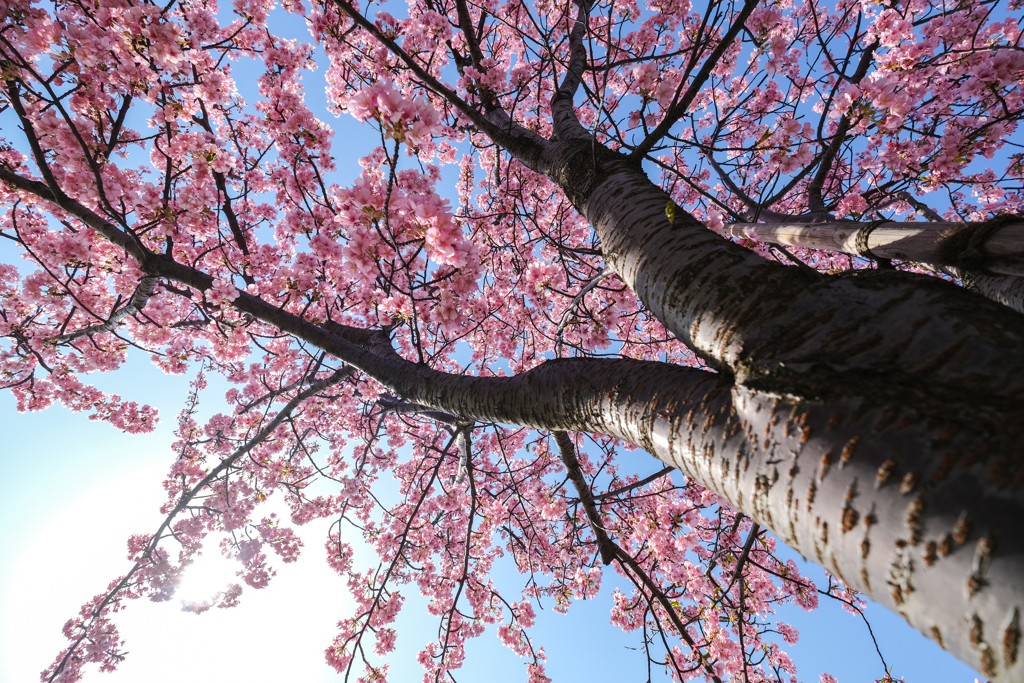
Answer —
73 490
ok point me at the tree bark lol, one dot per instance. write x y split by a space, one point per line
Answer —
995 247
880 411
900 504
988 257
872 420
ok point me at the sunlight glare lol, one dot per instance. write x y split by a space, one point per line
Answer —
207 577
297 612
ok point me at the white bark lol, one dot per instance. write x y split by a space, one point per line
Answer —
999 252
876 417
991 266
1005 289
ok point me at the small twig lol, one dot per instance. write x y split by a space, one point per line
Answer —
713 560
751 537
572 305
811 586
643 482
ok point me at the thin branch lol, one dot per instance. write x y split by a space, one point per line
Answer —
567 452
138 301
751 537
815 198
528 145
643 482
676 110
187 498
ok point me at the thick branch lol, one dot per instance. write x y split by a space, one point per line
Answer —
792 331
1005 289
79 211
834 389
138 301
563 114
996 247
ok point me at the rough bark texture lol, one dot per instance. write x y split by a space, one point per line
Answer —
873 422
800 331
901 504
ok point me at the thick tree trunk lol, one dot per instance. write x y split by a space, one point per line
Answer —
892 401
989 257
872 421
919 513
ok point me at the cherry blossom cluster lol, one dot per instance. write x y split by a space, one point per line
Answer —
404 119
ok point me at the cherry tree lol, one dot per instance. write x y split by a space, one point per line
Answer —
502 344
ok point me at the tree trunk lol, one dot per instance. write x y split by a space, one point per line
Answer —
920 513
877 413
989 257
871 420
